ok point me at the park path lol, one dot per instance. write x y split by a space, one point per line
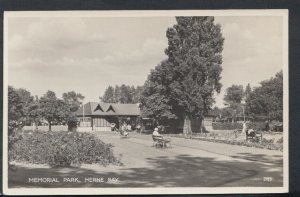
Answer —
220 164
188 163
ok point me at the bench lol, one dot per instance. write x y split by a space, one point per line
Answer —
159 141
253 135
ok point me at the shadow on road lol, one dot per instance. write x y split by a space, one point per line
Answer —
276 160
180 171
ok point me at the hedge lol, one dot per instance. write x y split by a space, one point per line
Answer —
61 149
226 125
235 125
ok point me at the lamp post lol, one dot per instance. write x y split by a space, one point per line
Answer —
243 103
82 113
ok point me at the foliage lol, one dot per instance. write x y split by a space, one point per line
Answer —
233 98
122 94
184 84
108 96
61 149
15 105
15 115
234 95
73 99
226 125
156 100
266 101
234 125
27 102
53 109
231 138
248 90
257 125
280 140
215 112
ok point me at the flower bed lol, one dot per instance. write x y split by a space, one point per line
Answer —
235 138
61 149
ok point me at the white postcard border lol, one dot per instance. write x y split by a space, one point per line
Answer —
176 190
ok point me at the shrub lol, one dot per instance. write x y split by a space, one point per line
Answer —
256 125
72 124
280 140
226 125
62 149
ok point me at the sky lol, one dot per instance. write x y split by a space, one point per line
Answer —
88 54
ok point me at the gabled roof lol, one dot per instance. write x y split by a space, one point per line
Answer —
109 109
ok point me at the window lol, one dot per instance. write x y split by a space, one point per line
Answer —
100 122
85 122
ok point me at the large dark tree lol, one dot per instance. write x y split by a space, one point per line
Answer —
156 98
266 101
193 68
53 109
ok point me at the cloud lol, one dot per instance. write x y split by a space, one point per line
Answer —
152 49
53 34
75 53
127 64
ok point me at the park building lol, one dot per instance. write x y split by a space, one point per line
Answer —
100 116
95 116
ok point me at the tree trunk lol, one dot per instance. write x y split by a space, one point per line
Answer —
196 123
36 125
187 125
49 126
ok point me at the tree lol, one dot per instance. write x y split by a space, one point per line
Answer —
73 99
122 94
193 68
234 95
137 94
53 109
125 96
156 99
34 112
247 90
109 95
15 115
27 101
233 100
266 101
15 109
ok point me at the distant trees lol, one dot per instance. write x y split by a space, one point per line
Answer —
23 107
184 84
110 95
266 100
15 109
234 95
53 109
247 90
73 99
233 101
122 94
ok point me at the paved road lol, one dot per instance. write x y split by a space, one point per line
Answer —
196 163
189 163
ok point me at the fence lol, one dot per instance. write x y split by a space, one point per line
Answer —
65 128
